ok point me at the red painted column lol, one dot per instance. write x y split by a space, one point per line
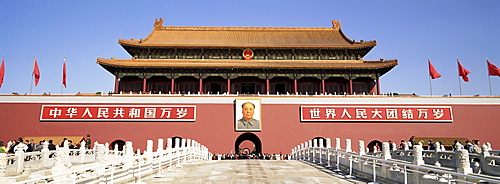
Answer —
378 86
350 86
228 85
172 85
201 86
295 86
267 86
116 85
144 85
323 89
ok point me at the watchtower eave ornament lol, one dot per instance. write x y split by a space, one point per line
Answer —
158 23
336 25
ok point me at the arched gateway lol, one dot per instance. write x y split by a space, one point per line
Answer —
250 137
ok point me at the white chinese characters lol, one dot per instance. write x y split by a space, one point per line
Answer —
376 113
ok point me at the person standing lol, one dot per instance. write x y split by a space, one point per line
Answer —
476 148
88 141
2 147
468 146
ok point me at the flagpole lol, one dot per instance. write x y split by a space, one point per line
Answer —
430 80
459 83
489 80
430 85
62 85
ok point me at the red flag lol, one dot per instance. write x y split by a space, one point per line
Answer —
492 69
463 72
64 73
36 73
432 71
2 73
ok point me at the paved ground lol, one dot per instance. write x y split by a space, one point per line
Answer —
252 171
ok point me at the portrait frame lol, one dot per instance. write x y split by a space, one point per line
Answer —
241 125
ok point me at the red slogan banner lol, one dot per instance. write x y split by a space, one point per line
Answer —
377 113
118 113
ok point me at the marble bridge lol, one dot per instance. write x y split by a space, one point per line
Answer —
188 161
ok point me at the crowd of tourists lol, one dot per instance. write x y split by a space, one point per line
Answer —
31 146
471 147
260 156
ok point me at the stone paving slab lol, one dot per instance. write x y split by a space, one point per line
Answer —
252 171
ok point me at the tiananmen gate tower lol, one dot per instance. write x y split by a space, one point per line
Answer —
231 87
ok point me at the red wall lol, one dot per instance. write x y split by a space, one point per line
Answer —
281 126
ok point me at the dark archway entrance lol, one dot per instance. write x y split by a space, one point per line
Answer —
173 142
374 144
250 137
119 143
320 139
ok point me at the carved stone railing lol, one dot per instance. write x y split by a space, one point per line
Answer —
406 170
97 165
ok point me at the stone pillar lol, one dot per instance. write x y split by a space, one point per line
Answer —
301 150
3 164
337 143
463 165
485 153
149 147
386 152
99 153
60 160
45 153
169 144
438 147
417 154
320 143
129 151
183 143
315 143
361 147
406 147
306 150
309 149
19 153
328 143
348 145
177 144
81 150
160 145
106 151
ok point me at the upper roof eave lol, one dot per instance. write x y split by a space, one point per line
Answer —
271 64
135 43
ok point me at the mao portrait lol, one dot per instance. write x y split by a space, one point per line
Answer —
248 115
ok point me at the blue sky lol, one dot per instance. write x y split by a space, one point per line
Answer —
410 31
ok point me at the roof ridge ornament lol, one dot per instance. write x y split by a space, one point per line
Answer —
336 25
158 23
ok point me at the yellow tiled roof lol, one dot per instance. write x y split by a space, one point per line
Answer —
254 37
